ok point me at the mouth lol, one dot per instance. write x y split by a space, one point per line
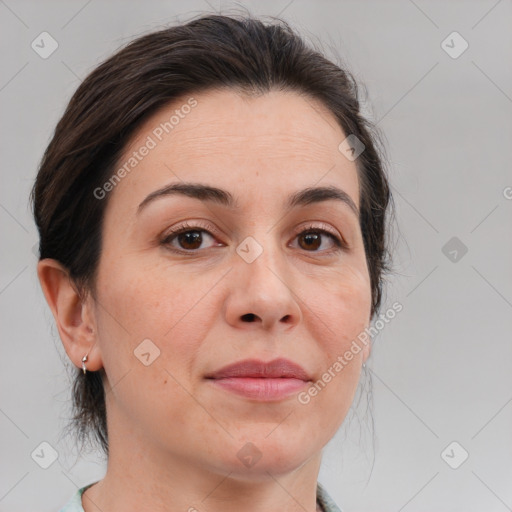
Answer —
261 381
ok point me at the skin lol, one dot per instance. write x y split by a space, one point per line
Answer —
174 437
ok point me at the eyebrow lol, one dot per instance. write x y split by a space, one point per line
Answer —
202 192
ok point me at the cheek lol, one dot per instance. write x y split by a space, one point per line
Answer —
343 302
154 303
351 316
343 314
142 306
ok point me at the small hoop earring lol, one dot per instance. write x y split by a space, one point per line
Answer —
84 359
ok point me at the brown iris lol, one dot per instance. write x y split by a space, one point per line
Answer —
190 239
311 240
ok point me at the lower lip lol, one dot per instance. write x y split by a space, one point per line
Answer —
263 389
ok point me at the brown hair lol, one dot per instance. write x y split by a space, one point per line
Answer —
212 51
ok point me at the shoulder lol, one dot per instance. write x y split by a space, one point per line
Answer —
75 502
326 502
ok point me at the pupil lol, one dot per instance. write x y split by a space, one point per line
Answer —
190 238
312 240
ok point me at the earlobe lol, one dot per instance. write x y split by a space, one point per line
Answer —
74 323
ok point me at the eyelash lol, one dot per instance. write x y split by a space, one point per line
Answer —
311 228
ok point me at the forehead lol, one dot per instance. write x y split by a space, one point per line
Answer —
278 140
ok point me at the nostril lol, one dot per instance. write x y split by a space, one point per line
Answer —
249 317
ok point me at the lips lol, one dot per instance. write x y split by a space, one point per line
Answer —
254 368
261 381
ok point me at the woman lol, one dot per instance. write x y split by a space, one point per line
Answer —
212 219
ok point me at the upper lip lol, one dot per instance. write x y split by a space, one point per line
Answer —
255 368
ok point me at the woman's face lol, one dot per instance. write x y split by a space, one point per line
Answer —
244 283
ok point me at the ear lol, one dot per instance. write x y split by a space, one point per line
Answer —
75 319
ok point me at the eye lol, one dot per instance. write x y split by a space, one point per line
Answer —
187 238
190 238
314 239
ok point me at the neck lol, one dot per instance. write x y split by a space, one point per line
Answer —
145 477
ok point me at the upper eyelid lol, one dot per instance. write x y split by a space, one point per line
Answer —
200 226
321 226
191 226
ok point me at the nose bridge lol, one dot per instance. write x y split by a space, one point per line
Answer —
263 260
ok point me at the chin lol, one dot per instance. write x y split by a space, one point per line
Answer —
265 457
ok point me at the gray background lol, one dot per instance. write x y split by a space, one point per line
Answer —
441 368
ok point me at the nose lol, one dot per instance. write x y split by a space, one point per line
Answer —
261 294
